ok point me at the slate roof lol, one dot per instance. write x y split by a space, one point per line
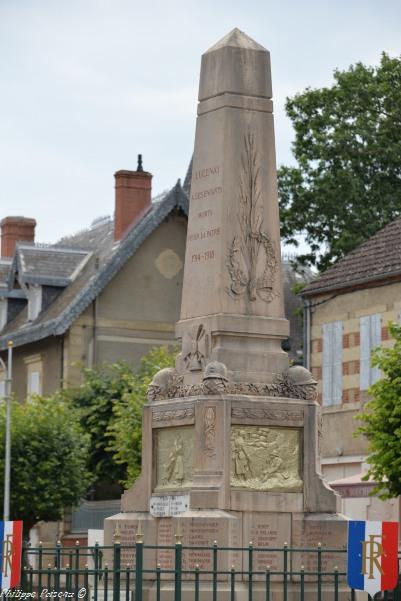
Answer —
99 237
103 262
379 258
46 265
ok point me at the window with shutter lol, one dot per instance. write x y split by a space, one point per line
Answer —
332 363
370 338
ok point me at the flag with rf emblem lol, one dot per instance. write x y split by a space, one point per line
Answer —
372 556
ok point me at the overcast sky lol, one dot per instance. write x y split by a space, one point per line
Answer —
88 84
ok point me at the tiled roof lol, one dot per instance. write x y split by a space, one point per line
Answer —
376 259
99 236
105 260
47 265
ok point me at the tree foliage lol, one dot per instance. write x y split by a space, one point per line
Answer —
347 183
381 420
125 430
49 453
103 388
109 404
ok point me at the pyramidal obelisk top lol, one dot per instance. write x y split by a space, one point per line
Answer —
232 305
222 70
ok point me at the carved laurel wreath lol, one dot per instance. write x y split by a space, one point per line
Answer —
251 259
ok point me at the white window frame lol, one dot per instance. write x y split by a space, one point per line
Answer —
332 371
34 383
370 338
3 312
34 375
34 294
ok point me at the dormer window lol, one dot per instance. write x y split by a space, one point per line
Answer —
3 313
34 294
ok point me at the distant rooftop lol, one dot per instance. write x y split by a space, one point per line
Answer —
379 258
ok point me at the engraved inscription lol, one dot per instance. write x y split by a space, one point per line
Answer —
205 234
174 457
267 531
264 458
207 193
203 214
207 172
127 532
207 255
308 534
165 538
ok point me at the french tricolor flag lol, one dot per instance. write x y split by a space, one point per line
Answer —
10 554
372 556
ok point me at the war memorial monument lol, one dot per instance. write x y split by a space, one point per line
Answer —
231 435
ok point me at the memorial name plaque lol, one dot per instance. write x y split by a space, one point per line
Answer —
200 529
168 505
267 530
329 531
165 538
123 527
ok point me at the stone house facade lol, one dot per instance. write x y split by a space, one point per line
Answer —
346 315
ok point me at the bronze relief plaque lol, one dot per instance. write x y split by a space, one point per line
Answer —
266 458
174 457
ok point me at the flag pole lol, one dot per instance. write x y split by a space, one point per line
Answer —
7 465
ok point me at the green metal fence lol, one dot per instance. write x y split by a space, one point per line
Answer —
100 573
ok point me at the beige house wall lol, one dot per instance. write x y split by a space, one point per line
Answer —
137 310
339 423
46 355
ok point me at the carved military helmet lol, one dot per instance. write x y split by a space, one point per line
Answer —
215 370
299 376
163 377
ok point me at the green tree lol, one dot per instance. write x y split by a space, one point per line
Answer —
49 452
110 402
103 388
125 431
381 420
347 182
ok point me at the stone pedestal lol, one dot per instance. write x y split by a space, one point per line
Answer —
247 467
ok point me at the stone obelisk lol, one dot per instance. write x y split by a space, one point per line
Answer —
230 439
232 303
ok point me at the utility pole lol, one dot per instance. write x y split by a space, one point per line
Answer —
8 393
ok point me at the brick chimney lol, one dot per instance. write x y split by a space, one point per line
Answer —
13 230
133 198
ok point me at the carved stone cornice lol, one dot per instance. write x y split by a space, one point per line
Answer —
274 414
167 415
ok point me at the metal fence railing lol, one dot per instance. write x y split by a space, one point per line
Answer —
124 572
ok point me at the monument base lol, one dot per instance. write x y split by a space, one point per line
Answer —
233 476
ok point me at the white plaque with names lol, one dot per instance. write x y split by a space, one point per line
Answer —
168 505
